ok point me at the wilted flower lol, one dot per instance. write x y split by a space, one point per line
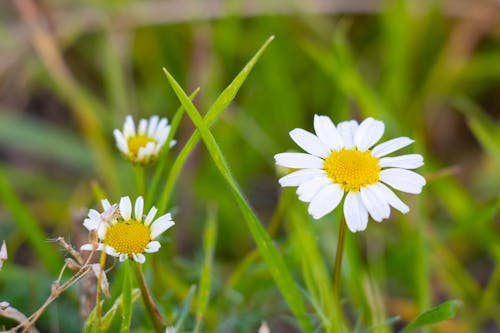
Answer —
125 236
339 160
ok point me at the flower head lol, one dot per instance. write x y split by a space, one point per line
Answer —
339 160
144 145
125 236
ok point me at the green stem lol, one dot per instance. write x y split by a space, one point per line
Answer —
338 260
337 277
139 177
98 305
158 321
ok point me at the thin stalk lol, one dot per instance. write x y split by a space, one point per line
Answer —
337 277
158 321
98 305
139 177
338 259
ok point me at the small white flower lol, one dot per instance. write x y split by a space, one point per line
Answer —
339 160
3 254
123 235
143 145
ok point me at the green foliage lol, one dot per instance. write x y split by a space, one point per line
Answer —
442 312
425 69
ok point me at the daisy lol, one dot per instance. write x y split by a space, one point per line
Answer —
125 236
340 160
144 145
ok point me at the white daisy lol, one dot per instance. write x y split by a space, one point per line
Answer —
339 160
144 145
123 235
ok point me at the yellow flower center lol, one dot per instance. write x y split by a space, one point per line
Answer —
137 142
128 237
352 169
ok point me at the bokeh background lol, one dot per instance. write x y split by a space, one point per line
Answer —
71 70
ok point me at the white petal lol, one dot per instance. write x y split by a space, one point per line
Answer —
123 257
150 216
129 127
368 133
90 224
298 177
172 143
89 247
153 246
121 142
391 146
111 251
299 160
306 191
139 257
410 161
160 129
146 151
325 200
356 215
403 180
94 214
309 142
105 204
377 207
160 225
143 123
102 229
139 206
327 132
347 129
391 198
153 122
125 208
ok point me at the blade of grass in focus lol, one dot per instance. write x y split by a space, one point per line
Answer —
162 161
213 113
273 258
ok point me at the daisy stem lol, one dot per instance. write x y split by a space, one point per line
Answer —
139 177
338 261
158 321
98 305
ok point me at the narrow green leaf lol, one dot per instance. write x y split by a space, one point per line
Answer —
127 298
111 313
442 312
185 309
213 113
273 258
29 227
209 241
162 161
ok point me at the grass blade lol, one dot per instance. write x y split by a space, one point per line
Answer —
162 162
213 113
127 298
209 241
273 258
442 312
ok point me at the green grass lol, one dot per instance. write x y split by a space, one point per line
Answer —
254 255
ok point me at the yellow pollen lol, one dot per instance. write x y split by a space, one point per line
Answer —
128 237
137 142
352 169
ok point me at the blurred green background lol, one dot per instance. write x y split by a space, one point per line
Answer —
71 70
